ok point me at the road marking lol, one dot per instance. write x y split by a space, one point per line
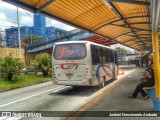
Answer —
10 118
59 88
97 96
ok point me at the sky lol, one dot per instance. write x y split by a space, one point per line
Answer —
8 18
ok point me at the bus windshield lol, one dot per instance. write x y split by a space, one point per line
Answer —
72 51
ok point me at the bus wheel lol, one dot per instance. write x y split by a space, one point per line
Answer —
115 78
102 83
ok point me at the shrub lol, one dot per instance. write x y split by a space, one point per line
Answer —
10 67
43 62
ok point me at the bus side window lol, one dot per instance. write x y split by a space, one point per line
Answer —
109 55
103 56
94 54
112 56
100 56
116 59
106 55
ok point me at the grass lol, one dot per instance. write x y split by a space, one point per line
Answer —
22 81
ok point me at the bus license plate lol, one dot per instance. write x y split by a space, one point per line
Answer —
69 76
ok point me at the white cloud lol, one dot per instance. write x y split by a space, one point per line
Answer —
4 23
26 20
5 5
9 12
2 16
64 26
51 22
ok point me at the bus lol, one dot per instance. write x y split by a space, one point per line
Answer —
83 63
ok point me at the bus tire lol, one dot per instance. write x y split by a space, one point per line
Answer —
102 82
115 78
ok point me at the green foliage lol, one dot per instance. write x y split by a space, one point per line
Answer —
32 39
10 67
43 62
22 81
120 50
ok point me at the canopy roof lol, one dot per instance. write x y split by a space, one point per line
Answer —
125 21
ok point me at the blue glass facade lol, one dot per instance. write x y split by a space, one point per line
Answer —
53 32
40 26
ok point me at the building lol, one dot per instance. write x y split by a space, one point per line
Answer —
39 26
0 38
39 29
52 32
12 35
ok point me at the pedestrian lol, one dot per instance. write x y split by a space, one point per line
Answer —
142 61
147 82
146 61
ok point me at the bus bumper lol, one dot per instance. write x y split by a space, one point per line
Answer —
84 82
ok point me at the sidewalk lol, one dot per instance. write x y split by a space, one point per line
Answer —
117 99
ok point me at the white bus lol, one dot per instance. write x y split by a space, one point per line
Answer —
83 63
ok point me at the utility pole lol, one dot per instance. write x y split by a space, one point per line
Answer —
19 38
31 36
0 38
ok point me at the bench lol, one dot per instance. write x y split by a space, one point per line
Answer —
150 91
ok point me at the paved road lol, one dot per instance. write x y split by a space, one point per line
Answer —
48 97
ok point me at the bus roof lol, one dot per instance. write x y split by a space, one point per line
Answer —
83 41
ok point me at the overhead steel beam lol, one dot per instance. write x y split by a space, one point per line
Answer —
145 37
43 6
140 35
145 34
155 6
121 35
131 2
124 21
33 9
125 34
115 41
136 44
121 19
148 13
135 39
130 27
136 23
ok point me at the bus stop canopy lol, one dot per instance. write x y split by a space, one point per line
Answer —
125 21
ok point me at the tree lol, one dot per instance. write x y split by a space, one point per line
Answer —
120 50
10 67
43 62
32 39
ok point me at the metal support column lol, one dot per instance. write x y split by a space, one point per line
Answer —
155 43
19 39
